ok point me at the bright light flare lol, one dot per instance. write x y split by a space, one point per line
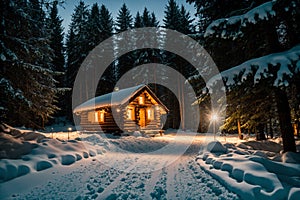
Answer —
214 117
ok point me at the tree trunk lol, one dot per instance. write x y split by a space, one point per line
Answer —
239 129
284 115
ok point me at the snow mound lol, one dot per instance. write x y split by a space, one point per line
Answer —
48 153
291 157
249 173
14 143
216 147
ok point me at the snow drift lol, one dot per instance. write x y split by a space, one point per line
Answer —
242 171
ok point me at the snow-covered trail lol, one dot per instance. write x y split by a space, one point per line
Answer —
99 178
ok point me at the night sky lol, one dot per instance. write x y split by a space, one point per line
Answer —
156 6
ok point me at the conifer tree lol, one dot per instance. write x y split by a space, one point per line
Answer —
177 19
58 60
227 38
77 48
146 18
106 22
124 19
124 22
154 22
93 27
27 81
172 15
138 21
108 79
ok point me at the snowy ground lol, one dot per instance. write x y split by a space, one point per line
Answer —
133 167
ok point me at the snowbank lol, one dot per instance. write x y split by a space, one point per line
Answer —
41 153
249 172
48 153
14 143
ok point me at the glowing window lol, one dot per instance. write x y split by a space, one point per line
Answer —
141 100
150 114
99 116
130 113
96 116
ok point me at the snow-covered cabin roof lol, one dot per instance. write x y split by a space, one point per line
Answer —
114 99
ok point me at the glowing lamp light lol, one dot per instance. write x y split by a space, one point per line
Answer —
69 130
214 117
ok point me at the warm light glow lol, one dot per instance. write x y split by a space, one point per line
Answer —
150 114
101 116
157 107
214 117
141 100
118 110
130 113
69 129
96 116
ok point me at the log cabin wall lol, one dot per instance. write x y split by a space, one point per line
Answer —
108 125
140 104
137 105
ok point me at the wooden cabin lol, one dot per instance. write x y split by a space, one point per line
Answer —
131 109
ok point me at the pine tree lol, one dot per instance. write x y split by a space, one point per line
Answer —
124 19
28 88
77 43
172 15
177 19
123 23
93 27
154 22
108 79
143 56
146 18
235 35
58 60
106 22
186 23
138 21
77 49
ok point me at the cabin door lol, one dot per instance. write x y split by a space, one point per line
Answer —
142 114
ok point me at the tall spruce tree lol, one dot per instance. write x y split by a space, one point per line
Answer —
77 49
138 20
108 79
58 61
106 22
124 22
93 27
27 81
271 35
177 19
143 56
172 15
124 19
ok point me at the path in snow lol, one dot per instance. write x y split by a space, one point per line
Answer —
183 179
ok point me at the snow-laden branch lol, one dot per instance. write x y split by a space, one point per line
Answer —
221 28
288 62
14 92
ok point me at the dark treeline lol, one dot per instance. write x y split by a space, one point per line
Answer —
38 67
